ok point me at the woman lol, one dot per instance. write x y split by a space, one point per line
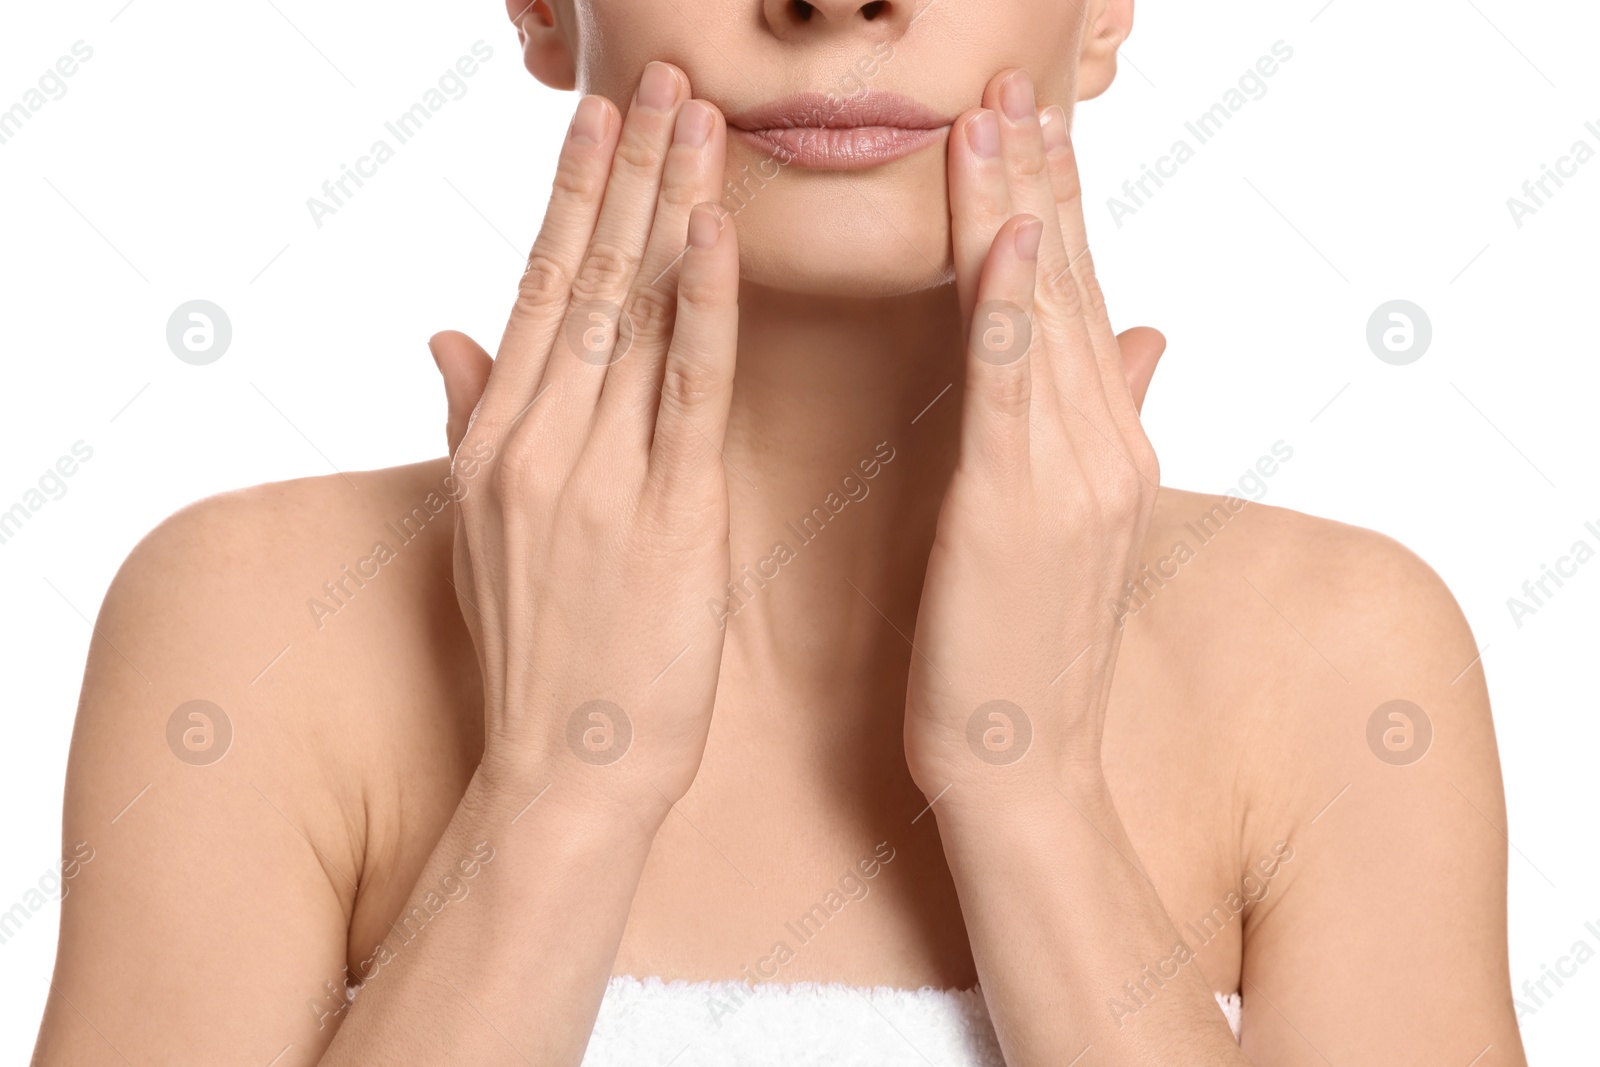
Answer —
867 705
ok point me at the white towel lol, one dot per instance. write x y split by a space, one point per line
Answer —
651 1023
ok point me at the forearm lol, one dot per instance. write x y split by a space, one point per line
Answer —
513 970
1060 918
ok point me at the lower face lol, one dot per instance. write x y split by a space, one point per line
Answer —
845 212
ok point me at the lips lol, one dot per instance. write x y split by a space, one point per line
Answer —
827 132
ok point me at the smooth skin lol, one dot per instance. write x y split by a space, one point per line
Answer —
415 753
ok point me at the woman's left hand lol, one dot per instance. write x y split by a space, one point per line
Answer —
1054 486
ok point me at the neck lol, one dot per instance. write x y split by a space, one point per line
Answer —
839 449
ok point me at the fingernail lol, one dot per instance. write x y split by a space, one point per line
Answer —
658 89
694 125
1028 235
703 226
1054 123
1016 96
590 123
983 134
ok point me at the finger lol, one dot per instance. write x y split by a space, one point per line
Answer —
596 333
1068 191
693 175
980 201
697 381
465 367
1070 368
1010 95
557 253
1001 359
1141 349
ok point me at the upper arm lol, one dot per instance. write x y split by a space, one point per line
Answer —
214 903
1384 939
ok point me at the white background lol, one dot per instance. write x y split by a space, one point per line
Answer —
1376 167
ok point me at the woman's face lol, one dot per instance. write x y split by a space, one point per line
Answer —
859 208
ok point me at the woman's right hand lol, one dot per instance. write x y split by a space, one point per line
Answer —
592 509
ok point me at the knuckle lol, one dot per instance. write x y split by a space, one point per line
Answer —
651 310
1030 165
1010 392
1074 499
1061 288
579 180
1146 460
639 153
544 283
606 269
1068 185
687 382
679 194
512 474
591 511
520 473
1090 282
1120 492
700 295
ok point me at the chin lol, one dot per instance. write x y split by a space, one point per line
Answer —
883 231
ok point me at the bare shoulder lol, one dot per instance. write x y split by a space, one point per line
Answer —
315 594
317 615
280 701
1343 710
1304 628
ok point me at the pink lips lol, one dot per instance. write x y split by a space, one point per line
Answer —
822 131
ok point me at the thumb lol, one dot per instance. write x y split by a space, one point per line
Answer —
1141 350
465 367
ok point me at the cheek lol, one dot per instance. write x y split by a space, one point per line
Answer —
616 38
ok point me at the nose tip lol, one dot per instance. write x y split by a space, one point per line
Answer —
877 19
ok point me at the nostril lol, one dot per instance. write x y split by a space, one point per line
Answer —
874 9
802 10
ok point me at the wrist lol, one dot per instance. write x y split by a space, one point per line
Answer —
596 805
996 804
